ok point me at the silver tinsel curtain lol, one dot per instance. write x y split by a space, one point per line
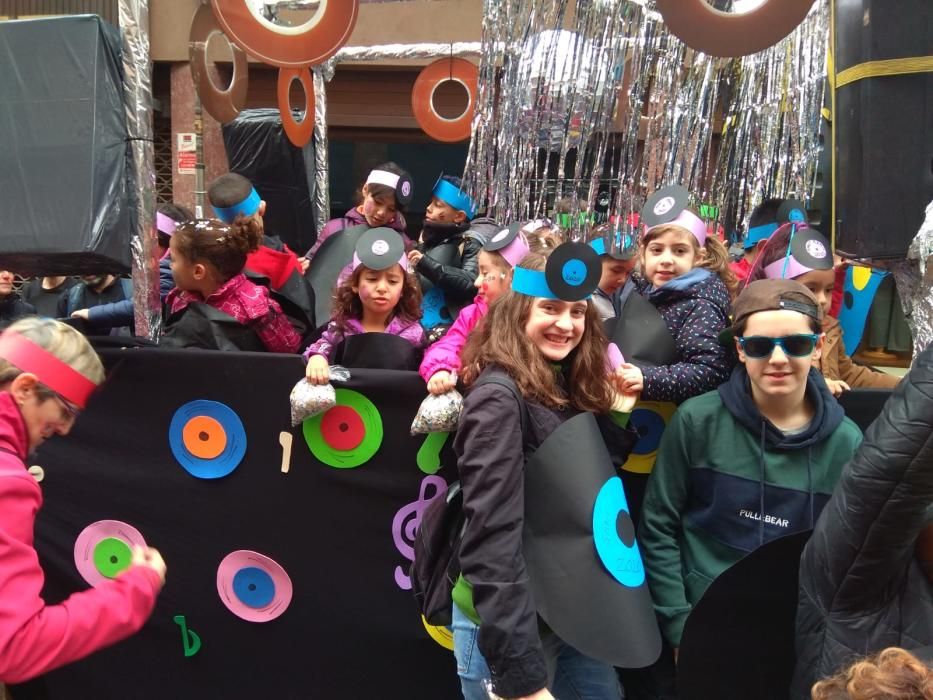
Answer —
568 90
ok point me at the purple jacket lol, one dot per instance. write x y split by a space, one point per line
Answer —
445 353
410 331
353 218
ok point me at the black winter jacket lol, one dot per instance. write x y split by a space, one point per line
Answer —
454 271
861 589
491 460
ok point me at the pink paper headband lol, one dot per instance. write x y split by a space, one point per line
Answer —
21 352
690 221
403 261
165 224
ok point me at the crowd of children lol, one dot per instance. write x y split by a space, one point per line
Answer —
747 353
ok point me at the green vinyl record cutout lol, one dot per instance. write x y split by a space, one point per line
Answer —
347 435
111 556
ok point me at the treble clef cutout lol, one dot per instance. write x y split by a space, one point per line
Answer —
406 522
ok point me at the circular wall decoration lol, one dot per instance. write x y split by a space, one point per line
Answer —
422 99
253 586
285 46
704 28
347 435
207 438
223 105
299 133
104 549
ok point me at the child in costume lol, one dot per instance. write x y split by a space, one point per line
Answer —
379 296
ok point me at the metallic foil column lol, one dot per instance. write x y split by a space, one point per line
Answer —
321 198
137 82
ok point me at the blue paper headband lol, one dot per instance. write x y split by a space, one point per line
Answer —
759 233
599 245
452 195
531 283
247 207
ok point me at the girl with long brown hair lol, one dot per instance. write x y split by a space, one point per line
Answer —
536 371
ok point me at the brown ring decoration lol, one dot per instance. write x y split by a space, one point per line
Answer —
299 133
422 99
289 48
704 28
223 105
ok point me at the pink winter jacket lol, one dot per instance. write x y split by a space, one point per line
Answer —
35 637
445 353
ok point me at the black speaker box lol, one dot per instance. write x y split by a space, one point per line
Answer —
884 127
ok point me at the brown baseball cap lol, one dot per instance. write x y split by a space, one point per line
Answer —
775 295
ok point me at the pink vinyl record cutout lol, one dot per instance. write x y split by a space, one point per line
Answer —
104 549
253 586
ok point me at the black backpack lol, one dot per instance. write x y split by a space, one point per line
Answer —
436 566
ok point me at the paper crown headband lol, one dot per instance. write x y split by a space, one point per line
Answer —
571 273
247 207
379 249
807 250
668 206
165 224
615 244
510 243
790 211
58 376
454 196
400 183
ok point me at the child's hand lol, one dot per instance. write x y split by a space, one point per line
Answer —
628 379
304 263
837 386
148 556
414 257
80 313
441 382
317 371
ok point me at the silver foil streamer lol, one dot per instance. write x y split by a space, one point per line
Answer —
321 200
770 143
545 104
384 52
914 279
137 81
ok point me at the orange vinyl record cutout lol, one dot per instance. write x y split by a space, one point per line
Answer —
204 437
299 133
223 105
422 99
286 46
704 28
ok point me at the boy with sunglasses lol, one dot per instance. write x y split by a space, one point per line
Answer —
755 460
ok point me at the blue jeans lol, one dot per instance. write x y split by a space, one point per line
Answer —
575 676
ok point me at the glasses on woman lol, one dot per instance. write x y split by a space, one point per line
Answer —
760 346
70 412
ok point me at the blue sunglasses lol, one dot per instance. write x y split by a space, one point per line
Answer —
759 346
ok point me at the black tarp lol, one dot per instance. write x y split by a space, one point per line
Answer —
283 174
65 174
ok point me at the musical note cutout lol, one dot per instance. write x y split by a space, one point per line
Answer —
285 440
190 640
429 454
406 522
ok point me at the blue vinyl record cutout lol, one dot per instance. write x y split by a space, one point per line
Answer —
254 587
207 438
621 560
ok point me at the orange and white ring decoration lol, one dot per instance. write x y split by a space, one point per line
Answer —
289 47
422 99
223 105
704 28
299 133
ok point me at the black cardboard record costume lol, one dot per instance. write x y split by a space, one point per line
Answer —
583 561
378 249
807 251
337 251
